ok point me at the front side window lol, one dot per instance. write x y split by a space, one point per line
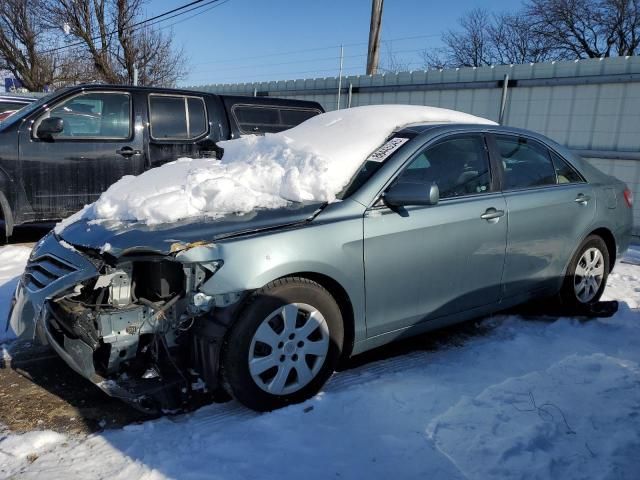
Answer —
95 115
458 166
526 163
174 117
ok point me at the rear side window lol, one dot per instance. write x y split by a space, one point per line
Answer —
526 163
177 117
257 119
565 172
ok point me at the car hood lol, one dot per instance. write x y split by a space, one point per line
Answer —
121 238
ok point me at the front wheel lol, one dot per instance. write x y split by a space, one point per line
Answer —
284 346
587 274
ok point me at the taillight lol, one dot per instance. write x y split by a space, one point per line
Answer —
628 197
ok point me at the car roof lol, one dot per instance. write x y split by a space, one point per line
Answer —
129 88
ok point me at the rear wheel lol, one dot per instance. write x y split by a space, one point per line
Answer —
586 277
284 346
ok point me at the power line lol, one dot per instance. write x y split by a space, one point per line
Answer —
266 77
333 70
307 50
216 5
296 62
155 19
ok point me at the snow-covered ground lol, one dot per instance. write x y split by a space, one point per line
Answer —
546 398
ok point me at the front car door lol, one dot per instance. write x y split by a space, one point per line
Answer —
550 207
97 146
428 262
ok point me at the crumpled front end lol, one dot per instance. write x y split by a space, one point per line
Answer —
134 326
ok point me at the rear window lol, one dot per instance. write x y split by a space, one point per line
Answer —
260 119
177 117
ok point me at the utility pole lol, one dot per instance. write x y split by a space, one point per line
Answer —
340 75
373 54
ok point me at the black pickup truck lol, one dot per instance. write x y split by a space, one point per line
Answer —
60 152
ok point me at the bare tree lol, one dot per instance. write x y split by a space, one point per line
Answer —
544 30
588 28
471 45
514 40
393 62
111 34
22 38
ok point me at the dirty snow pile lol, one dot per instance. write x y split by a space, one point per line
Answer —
12 262
311 162
536 398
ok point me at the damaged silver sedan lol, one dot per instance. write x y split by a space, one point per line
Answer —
454 222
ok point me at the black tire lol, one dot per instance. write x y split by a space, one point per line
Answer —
238 345
568 294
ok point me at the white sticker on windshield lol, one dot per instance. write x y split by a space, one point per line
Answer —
387 149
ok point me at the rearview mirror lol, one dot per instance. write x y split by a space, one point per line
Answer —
49 127
404 194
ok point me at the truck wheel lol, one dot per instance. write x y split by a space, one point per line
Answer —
284 346
587 274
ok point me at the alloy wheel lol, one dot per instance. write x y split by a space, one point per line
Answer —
288 349
588 275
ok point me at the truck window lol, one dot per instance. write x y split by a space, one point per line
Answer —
6 106
291 118
95 115
177 117
256 119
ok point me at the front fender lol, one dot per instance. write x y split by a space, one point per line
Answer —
332 249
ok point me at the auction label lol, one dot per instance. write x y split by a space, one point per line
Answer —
387 149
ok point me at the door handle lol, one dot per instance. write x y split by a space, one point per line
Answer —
492 214
582 199
128 152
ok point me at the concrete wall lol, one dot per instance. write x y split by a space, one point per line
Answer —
591 106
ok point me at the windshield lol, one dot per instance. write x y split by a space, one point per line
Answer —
374 162
24 112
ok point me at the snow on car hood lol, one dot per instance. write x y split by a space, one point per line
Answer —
310 162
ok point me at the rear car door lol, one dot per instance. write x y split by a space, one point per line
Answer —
426 262
97 146
550 207
178 127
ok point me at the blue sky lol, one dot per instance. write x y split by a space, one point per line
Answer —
255 40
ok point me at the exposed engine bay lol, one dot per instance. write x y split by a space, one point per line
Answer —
152 339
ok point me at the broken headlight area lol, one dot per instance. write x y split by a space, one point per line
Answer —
142 330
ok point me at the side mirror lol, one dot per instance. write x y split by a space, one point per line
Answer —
404 194
49 127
